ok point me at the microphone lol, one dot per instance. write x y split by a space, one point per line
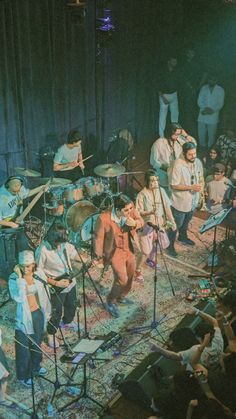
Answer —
155 227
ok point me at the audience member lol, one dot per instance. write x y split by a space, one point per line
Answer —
226 143
209 350
192 78
168 85
210 159
210 102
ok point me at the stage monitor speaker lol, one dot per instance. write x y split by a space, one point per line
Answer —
183 337
149 378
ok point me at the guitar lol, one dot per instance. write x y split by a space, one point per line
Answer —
20 218
54 289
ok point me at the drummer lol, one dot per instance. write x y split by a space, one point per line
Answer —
68 160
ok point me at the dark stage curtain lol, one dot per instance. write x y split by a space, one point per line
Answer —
58 72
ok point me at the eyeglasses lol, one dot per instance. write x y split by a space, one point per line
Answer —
192 179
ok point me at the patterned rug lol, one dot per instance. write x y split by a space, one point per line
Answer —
172 286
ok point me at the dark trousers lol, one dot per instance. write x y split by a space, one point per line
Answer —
72 174
28 355
66 300
182 220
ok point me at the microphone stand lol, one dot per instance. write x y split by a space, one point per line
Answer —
155 323
84 394
56 383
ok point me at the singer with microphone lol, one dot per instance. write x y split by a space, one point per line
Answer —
54 257
27 288
68 160
153 205
115 238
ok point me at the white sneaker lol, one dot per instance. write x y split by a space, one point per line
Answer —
51 342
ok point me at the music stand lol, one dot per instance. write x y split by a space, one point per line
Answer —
88 353
212 222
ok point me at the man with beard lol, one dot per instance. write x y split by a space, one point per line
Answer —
165 151
185 179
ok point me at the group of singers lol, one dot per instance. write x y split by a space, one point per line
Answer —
126 235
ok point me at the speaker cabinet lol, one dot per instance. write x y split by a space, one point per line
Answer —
149 378
183 337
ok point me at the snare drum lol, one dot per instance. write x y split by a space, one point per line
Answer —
81 218
94 187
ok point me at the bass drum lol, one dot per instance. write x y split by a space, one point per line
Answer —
81 218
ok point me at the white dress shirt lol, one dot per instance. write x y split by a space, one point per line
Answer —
213 99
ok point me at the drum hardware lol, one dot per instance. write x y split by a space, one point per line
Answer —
109 170
27 172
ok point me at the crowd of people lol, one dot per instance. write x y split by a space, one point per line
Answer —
203 387
187 174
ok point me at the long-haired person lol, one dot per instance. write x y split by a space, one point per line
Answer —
153 205
27 286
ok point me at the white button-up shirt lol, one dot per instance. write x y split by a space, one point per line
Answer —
213 99
185 173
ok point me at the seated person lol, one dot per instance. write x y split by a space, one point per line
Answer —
218 190
12 193
68 160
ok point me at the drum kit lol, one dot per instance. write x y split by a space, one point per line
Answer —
77 205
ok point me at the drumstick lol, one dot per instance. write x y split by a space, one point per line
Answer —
86 158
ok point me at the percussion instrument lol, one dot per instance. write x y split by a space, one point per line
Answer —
94 187
109 170
54 181
80 218
75 192
27 172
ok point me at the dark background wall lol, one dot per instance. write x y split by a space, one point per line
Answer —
58 72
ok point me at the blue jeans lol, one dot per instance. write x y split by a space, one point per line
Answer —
28 355
182 220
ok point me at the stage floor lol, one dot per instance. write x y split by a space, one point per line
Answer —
125 356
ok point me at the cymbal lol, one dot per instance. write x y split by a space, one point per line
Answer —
27 172
109 170
55 181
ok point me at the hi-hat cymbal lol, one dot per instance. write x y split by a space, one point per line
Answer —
109 170
26 172
55 181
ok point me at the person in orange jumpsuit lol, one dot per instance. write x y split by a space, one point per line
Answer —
114 240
